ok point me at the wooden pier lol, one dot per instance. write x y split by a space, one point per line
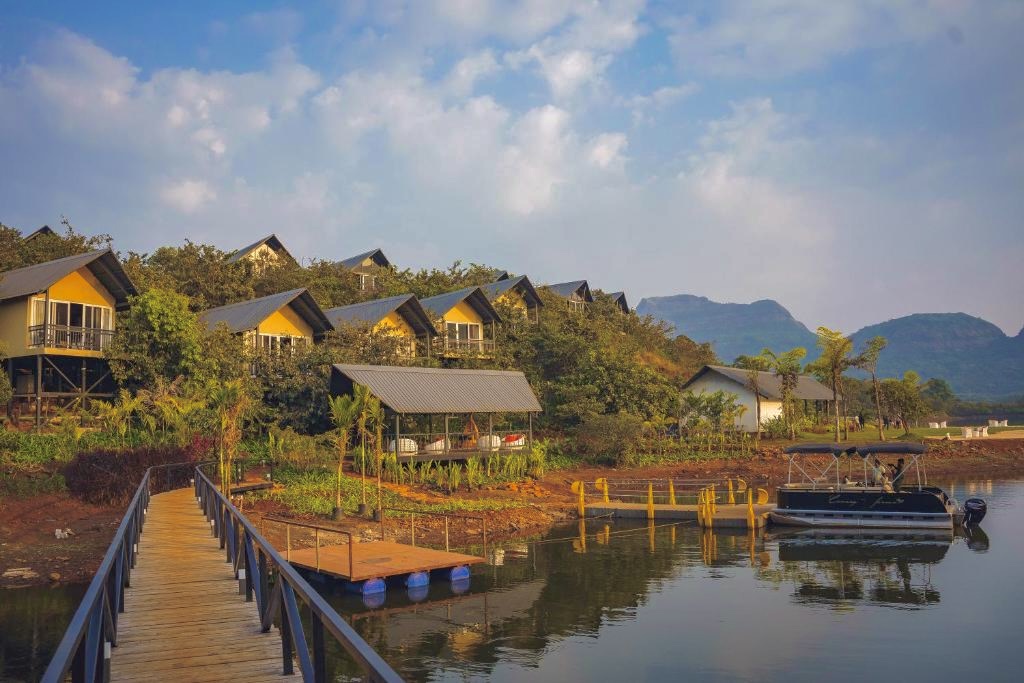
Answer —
377 560
184 619
726 516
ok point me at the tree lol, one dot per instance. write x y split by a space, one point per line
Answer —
232 404
344 410
786 367
158 337
832 363
376 417
902 399
938 395
362 398
868 361
755 365
6 390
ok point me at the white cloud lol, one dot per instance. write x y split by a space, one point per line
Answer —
187 196
467 71
606 150
643 107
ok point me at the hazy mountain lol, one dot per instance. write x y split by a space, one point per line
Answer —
973 355
734 329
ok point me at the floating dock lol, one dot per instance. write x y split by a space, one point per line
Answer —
378 560
725 516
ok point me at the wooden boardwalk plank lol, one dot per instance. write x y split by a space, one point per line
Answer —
184 619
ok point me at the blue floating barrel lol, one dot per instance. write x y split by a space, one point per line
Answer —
417 579
419 593
461 586
373 587
374 600
460 573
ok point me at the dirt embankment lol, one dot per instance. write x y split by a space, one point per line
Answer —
27 539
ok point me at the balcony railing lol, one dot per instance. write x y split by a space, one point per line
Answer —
434 445
466 346
69 337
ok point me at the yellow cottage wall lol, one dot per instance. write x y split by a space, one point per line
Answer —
286 321
462 312
14 327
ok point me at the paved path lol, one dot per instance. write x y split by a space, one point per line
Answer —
184 619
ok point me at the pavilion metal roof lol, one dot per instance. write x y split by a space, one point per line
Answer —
247 315
495 289
769 386
372 312
376 254
438 391
619 299
437 306
102 264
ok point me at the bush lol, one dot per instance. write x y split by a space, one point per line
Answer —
110 477
775 427
610 437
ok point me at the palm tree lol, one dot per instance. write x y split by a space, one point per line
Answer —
832 363
786 367
344 410
754 365
868 361
375 416
362 396
231 403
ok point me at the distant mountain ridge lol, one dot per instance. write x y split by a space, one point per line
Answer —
977 358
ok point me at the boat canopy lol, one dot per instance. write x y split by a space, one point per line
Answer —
812 448
893 448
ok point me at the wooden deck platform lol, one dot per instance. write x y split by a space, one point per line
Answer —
184 619
726 516
377 560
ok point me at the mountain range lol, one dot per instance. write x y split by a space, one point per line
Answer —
977 358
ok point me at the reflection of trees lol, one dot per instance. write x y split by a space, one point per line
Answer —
557 590
32 622
841 570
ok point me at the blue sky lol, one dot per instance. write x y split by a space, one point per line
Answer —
855 161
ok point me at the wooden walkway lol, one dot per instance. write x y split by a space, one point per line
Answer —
377 560
726 516
184 619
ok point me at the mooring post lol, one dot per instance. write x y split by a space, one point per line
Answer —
732 499
650 500
671 493
750 508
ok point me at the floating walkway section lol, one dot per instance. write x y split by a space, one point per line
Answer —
189 590
728 504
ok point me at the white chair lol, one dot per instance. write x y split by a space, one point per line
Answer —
967 432
993 423
513 442
983 432
404 446
942 425
489 442
933 425
439 446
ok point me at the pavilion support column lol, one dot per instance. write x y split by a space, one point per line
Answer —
446 444
39 391
530 433
398 441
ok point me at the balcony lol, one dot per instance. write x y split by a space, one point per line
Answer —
69 337
466 347
420 447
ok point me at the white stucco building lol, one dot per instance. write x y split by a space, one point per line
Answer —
712 378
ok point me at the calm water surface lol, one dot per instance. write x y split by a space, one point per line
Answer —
626 603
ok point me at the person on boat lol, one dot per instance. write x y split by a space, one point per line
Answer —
886 483
877 471
900 471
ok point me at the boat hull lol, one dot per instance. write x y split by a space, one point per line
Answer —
854 520
865 508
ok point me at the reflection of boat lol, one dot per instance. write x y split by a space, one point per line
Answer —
825 499
852 545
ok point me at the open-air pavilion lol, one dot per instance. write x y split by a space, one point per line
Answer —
446 414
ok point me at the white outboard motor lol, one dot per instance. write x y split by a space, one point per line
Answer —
974 511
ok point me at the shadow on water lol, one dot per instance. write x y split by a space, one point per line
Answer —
32 621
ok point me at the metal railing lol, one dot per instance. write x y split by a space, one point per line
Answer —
255 562
84 651
446 515
317 528
438 443
449 345
69 337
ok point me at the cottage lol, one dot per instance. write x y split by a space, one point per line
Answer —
368 266
264 252
466 321
273 323
401 315
56 320
712 378
619 299
517 292
576 293
44 231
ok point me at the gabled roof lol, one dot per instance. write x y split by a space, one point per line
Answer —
619 299
501 275
522 284
372 312
437 306
807 388
376 255
102 264
247 315
45 230
270 240
439 391
567 289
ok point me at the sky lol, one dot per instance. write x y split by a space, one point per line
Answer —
855 161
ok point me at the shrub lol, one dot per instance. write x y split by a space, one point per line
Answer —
609 437
110 477
775 427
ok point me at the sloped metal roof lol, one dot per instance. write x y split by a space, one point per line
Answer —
807 388
437 306
39 232
494 290
102 264
270 240
619 298
439 391
372 312
567 289
376 254
247 315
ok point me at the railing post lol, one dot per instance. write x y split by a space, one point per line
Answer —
319 656
287 650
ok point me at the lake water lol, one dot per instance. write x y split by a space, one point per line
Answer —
628 603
